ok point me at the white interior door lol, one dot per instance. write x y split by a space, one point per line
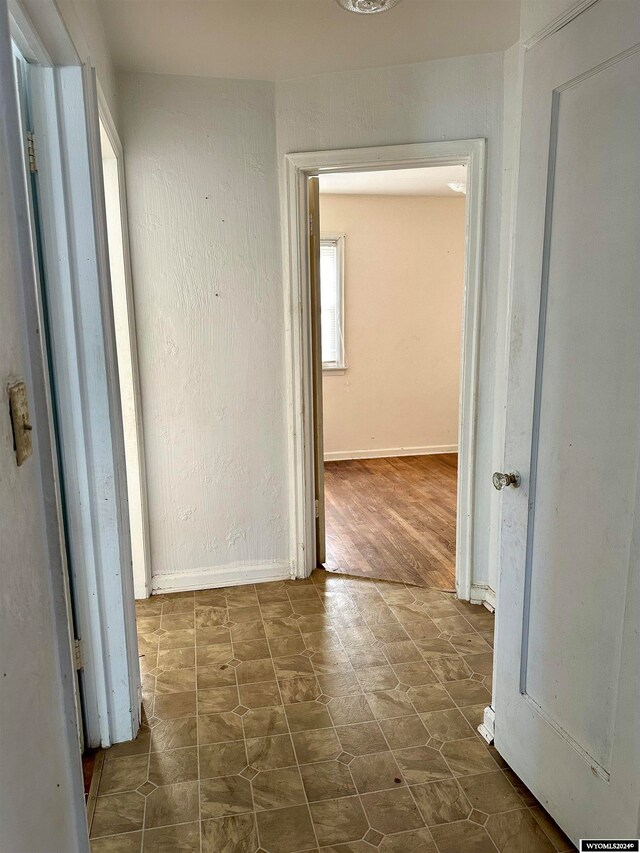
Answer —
567 688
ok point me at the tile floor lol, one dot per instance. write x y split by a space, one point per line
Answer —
335 714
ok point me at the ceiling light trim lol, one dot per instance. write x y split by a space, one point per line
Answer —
367 7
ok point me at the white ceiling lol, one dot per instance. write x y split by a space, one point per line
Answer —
283 39
421 182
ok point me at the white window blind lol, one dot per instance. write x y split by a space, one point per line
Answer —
331 303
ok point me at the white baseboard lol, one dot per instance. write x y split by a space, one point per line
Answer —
387 452
212 577
483 594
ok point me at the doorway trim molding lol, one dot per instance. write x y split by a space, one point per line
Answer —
298 168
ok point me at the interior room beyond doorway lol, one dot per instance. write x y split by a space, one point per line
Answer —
392 280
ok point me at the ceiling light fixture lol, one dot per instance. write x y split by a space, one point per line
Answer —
367 7
458 186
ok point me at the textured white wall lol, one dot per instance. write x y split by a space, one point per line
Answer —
201 163
404 278
433 101
203 213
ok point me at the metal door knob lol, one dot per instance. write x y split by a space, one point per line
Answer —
501 480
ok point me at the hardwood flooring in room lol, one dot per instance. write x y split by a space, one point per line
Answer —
393 519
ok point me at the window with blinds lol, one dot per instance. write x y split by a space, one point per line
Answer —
331 302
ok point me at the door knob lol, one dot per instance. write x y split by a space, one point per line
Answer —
501 480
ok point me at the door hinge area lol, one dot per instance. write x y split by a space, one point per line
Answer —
77 654
31 151
317 508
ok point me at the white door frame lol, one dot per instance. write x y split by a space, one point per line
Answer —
299 167
139 516
65 109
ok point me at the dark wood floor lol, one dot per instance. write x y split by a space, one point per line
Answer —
393 519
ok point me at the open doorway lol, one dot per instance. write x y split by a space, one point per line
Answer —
392 248
416 515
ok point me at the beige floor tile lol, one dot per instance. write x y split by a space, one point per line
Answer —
224 796
274 789
390 703
251 650
176 658
261 695
178 621
326 781
375 772
171 804
441 802
129 843
463 836
490 792
270 753
315 746
184 639
254 671
468 692
392 811
123 774
350 709
216 700
184 838
361 738
265 722
245 631
217 728
377 678
286 830
236 834
404 732
467 757
307 715
212 636
210 617
335 684
447 725
218 675
117 813
139 746
291 666
174 734
285 627
330 660
416 841
173 765
470 644
248 613
431 697
518 832
222 759
415 673
301 689
339 821
172 705
218 653
421 764
282 647
176 681
451 668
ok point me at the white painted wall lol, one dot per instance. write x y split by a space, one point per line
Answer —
203 211
404 276
41 800
446 99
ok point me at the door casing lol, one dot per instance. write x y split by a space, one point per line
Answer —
299 349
